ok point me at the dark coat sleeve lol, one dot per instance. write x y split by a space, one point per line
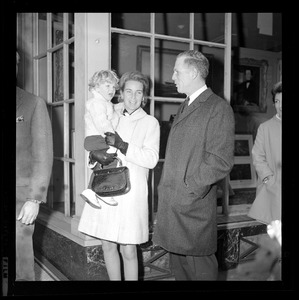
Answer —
217 157
41 152
95 142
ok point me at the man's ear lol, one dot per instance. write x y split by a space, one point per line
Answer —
194 73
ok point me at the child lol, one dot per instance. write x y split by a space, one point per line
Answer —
101 116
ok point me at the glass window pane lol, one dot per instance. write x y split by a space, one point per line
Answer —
71 71
147 107
72 129
57 28
58 185
57 128
125 53
174 24
57 75
215 78
209 27
42 32
42 78
72 189
131 21
71 24
165 111
257 31
165 57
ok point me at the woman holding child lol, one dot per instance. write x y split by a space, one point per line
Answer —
125 225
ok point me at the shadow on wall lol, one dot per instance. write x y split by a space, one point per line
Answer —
247 122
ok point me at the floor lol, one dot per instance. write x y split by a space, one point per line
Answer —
47 272
43 273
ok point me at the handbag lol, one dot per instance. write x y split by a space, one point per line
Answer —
111 181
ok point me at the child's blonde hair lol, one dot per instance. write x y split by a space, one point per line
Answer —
101 77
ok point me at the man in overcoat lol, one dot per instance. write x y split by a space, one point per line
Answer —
199 153
34 159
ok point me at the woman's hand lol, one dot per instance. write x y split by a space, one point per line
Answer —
113 139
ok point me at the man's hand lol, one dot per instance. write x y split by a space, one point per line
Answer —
113 139
102 156
28 213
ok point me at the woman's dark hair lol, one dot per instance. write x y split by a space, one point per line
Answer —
277 88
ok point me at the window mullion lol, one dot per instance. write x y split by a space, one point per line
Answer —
227 56
191 31
49 58
50 200
66 108
152 104
66 164
35 51
152 64
227 95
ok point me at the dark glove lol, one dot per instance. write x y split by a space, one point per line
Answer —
95 142
113 139
102 157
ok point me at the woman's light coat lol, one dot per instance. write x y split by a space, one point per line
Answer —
127 222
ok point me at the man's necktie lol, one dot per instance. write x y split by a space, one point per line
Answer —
185 104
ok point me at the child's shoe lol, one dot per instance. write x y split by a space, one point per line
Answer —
108 200
91 198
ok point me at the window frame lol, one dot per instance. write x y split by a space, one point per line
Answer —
65 103
153 99
87 60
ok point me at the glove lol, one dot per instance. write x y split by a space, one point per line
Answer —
113 139
102 157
